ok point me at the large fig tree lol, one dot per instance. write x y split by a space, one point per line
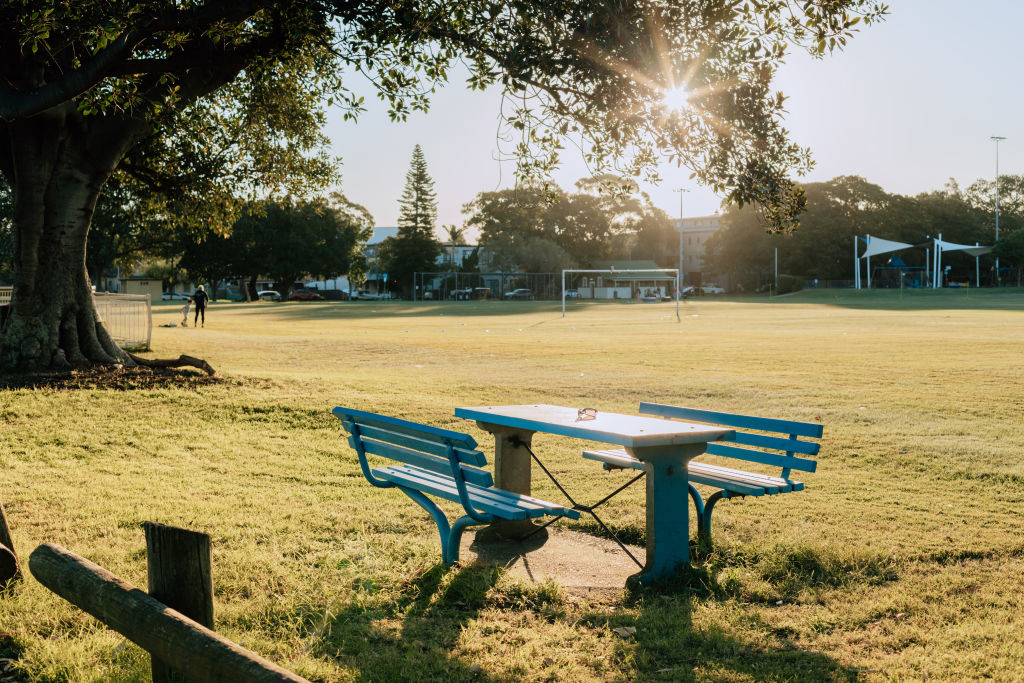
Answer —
84 84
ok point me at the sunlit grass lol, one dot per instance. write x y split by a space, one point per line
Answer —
903 558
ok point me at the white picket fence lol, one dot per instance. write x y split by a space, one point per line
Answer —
128 317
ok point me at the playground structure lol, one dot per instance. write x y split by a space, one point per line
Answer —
932 273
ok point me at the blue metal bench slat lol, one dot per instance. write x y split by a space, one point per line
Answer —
469 457
616 457
738 481
439 463
504 504
783 485
779 444
762 457
541 507
765 424
413 428
408 475
424 460
731 482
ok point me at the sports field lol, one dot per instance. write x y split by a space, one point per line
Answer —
902 559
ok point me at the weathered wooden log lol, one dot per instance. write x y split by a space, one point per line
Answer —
179 362
9 566
196 651
180 576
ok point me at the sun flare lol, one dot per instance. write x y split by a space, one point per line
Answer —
676 97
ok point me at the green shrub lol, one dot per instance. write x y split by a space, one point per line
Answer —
790 283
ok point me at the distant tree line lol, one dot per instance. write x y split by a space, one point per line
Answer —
847 206
542 228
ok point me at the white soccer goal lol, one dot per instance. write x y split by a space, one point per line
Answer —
127 317
621 282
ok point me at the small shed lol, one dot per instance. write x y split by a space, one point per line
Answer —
141 285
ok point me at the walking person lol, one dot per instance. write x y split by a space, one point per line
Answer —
184 312
200 298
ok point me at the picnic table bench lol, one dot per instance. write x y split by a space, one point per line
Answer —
440 463
760 445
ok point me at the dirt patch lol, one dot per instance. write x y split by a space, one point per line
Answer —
581 563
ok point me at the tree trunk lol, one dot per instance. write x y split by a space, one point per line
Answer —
57 162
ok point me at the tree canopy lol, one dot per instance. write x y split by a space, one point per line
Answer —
200 91
544 228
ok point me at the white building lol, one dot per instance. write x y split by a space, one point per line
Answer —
696 230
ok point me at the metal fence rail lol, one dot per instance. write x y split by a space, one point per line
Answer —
128 317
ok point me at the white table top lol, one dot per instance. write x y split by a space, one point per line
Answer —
631 431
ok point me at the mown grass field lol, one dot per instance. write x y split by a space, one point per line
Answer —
902 560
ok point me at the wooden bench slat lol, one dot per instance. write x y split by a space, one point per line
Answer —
424 460
437 448
765 424
762 457
416 429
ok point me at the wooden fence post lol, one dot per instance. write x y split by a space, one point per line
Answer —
9 567
180 576
197 652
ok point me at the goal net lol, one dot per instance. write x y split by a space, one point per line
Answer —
645 285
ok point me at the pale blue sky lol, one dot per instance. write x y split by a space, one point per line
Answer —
910 103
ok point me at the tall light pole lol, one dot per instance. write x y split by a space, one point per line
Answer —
682 273
997 139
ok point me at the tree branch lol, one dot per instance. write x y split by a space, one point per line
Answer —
179 362
110 60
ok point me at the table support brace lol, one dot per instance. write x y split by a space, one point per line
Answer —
589 509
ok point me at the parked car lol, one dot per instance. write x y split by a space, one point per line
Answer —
170 296
572 294
269 295
304 295
711 289
518 294
333 294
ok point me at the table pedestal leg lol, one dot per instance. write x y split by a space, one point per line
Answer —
668 509
512 470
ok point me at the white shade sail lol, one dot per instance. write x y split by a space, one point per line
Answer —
876 245
972 249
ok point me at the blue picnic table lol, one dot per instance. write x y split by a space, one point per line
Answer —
663 446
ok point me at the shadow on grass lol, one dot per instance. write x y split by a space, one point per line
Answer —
369 310
668 646
951 299
412 638
412 630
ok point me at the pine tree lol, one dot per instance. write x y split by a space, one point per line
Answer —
415 248
419 201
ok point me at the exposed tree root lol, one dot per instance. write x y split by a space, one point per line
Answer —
179 362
